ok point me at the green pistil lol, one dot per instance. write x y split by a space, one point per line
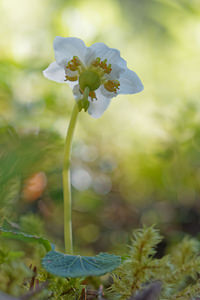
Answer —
89 79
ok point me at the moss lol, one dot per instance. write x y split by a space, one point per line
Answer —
177 271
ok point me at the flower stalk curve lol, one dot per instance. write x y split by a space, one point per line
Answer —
66 183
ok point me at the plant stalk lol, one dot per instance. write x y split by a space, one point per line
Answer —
67 184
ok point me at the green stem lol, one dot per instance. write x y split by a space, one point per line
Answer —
67 184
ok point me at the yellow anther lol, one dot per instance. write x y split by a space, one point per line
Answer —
102 65
112 86
71 78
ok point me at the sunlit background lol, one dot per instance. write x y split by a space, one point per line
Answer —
140 162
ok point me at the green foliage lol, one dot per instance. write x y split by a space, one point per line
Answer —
177 271
32 224
21 236
8 256
13 271
64 265
61 288
18 278
12 277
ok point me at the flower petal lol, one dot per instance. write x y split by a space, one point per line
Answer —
104 52
97 107
76 92
130 83
55 72
72 84
66 48
115 73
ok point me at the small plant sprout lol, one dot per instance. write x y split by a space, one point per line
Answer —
96 74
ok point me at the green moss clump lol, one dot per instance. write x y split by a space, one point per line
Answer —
177 271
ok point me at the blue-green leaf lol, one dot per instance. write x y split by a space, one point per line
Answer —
65 265
17 235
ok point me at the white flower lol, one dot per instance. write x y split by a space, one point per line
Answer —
96 74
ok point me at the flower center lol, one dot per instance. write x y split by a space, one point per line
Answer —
89 79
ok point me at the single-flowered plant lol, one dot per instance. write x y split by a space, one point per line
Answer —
96 74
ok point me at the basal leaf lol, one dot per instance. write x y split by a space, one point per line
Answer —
65 265
12 234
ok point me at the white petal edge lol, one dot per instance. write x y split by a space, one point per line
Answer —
97 107
55 72
104 52
130 83
66 48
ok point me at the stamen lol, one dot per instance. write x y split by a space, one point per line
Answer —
112 86
73 64
108 69
96 62
102 65
71 78
92 95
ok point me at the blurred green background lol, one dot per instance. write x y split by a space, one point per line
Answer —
140 162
